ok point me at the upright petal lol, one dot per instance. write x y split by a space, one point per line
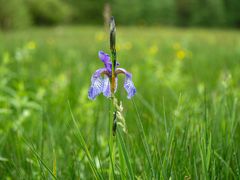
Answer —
128 84
96 83
105 58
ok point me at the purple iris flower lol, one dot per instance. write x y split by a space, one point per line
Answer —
101 79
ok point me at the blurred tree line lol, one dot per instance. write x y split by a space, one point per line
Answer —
22 13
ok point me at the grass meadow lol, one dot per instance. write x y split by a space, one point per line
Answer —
183 123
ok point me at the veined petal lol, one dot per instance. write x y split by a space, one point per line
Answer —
122 71
128 84
98 73
116 84
97 83
106 87
95 89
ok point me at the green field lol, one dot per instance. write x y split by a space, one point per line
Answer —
184 121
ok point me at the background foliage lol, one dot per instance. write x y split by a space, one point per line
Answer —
19 13
184 121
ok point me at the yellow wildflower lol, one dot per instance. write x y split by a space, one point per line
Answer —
153 49
31 45
181 54
99 36
118 47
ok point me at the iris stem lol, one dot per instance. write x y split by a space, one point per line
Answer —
113 52
112 141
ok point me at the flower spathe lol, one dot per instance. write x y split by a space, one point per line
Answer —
100 81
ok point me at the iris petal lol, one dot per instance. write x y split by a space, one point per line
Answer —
105 58
97 83
102 84
128 84
116 84
95 89
106 87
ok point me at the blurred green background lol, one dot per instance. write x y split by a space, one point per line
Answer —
22 13
183 122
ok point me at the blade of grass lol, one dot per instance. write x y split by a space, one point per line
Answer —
84 145
122 164
149 107
123 150
54 164
143 138
111 169
225 163
169 155
39 158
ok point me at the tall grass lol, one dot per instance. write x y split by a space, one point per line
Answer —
182 123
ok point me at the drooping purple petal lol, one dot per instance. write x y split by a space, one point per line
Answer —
95 89
128 84
106 87
97 83
98 73
122 71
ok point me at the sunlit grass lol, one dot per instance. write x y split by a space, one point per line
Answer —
183 122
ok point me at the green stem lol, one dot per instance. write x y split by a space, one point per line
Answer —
112 143
112 117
